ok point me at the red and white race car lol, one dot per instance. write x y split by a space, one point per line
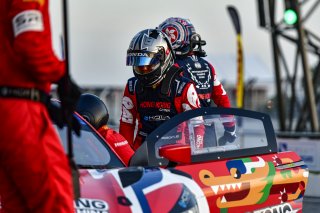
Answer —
170 173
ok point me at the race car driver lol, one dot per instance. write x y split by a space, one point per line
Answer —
187 45
34 170
157 92
93 109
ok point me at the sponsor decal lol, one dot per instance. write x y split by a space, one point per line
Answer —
282 208
199 141
29 20
169 137
138 54
156 118
84 205
127 105
121 143
201 78
204 96
153 104
164 110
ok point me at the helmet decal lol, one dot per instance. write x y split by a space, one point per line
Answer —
183 36
147 41
172 33
179 31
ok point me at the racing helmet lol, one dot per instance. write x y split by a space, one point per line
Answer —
183 36
151 55
93 109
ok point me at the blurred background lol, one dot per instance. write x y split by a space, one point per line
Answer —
281 56
101 30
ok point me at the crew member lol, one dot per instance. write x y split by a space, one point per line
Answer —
34 170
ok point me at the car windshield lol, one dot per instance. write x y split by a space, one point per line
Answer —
90 150
247 133
213 134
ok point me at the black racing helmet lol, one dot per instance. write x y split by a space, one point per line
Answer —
151 55
93 109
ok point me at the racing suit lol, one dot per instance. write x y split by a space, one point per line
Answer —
119 144
202 73
208 87
151 107
34 171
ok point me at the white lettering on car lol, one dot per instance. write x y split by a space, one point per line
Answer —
122 143
282 208
91 205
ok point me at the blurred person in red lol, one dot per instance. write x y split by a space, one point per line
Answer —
93 109
157 92
34 170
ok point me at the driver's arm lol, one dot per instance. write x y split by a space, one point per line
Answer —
219 95
190 101
128 116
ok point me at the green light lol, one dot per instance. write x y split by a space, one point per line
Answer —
290 17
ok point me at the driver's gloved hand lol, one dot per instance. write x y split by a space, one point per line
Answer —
228 136
58 118
69 93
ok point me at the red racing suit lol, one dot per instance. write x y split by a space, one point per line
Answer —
119 144
150 107
34 171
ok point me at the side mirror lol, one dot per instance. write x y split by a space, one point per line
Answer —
179 153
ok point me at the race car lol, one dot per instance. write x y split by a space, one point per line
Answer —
171 173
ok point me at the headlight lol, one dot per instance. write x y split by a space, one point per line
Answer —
186 203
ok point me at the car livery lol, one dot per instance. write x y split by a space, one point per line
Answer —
167 174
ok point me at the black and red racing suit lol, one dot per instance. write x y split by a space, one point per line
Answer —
151 108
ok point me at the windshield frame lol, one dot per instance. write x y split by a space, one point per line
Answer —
146 154
114 162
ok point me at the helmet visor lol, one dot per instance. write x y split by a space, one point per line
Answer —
143 70
142 58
